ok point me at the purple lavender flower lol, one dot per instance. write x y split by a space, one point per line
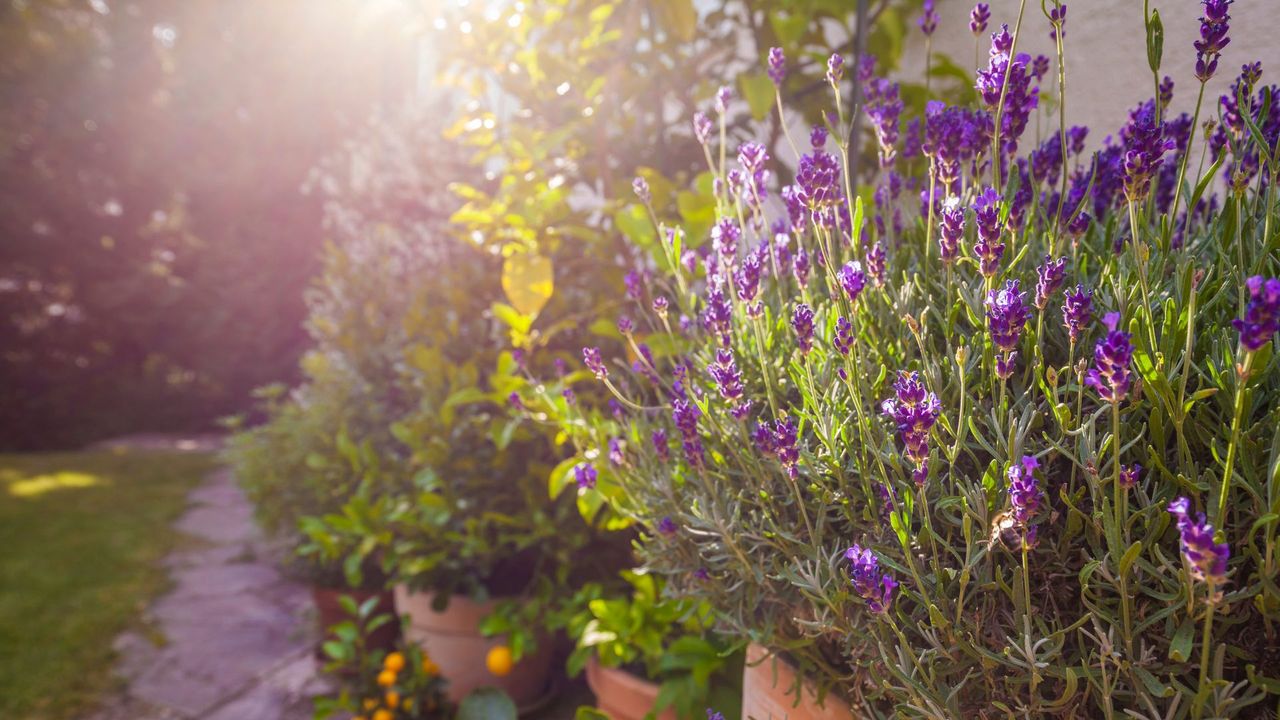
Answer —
842 338
1008 78
1040 67
802 324
818 137
1214 26
685 415
986 216
724 371
869 582
1051 274
777 66
883 107
514 400
660 305
1144 148
875 262
852 279
786 444
723 96
667 526
1130 475
718 314
661 446
952 229
591 358
835 69
725 235
585 475
1111 375
1262 316
928 21
952 136
914 410
641 188
713 715
702 127
625 325
800 268
1025 495
615 452
635 284
1077 310
1006 316
1206 559
818 180
1058 19
979 17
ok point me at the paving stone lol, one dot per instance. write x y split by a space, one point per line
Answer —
238 634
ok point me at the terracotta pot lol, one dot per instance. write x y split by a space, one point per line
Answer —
452 639
767 692
622 695
329 613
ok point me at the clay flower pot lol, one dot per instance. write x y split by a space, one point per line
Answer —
622 695
329 613
768 683
452 639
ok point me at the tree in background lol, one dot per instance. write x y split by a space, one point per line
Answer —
155 244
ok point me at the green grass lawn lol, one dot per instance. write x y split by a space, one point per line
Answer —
81 539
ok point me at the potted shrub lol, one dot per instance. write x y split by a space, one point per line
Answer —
292 469
313 447
1003 444
649 656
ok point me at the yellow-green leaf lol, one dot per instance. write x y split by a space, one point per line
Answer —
527 280
757 88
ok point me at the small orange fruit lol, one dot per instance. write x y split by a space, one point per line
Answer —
369 704
386 678
394 662
429 667
392 699
499 660
383 714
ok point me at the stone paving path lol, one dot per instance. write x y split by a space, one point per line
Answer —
235 635
233 638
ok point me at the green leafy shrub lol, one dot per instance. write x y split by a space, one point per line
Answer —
665 640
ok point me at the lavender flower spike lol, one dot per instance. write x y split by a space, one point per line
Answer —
929 19
1051 275
591 358
802 324
914 410
869 582
1262 317
979 17
1077 310
1111 375
585 474
852 279
777 66
986 216
1214 26
1006 316
1025 495
1206 559
952 229
835 68
724 371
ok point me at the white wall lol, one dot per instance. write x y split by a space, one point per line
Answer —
1107 72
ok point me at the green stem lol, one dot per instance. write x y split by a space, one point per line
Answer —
1242 380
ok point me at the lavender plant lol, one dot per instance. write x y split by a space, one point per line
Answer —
1010 451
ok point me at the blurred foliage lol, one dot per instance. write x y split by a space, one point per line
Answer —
155 242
